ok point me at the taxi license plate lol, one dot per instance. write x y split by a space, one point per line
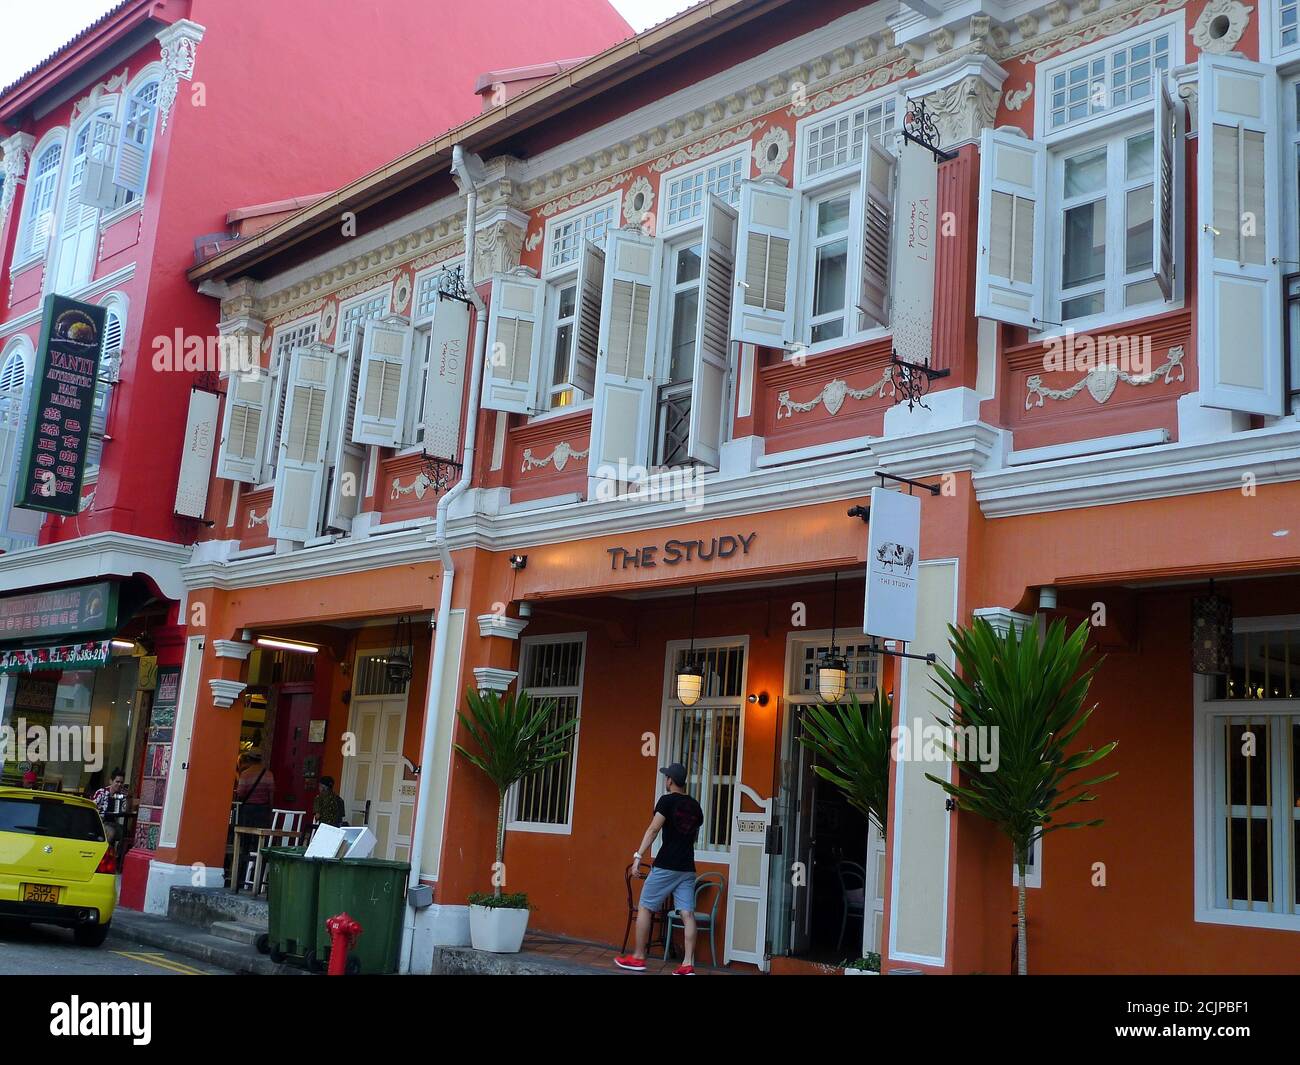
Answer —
40 893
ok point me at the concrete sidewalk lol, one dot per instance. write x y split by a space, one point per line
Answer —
132 927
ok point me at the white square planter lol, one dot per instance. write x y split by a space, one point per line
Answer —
860 972
497 929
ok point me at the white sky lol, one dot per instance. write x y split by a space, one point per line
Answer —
32 29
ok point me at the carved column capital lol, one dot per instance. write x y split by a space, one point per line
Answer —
17 149
180 42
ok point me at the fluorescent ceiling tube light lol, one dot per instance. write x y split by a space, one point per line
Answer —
287 645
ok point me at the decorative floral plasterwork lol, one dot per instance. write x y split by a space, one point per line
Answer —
255 519
1093 27
853 87
962 110
833 396
1220 26
560 456
104 88
17 149
327 319
180 42
87 501
533 240
402 293
702 148
418 487
1016 98
772 150
1101 381
583 195
638 201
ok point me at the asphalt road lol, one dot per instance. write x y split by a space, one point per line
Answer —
45 951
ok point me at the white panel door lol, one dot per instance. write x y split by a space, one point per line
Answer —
747 887
372 777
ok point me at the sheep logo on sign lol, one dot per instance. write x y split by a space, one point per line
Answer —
893 557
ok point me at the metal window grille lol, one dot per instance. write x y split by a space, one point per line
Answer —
674 423
552 673
863 661
371 677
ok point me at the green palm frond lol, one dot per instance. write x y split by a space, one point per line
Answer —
852 744
512 735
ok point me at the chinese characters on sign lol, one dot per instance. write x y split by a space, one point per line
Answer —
62 402
61 611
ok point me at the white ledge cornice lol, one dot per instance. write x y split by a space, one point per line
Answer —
232 649
491 679
99 555
501 625
1269 455
225 692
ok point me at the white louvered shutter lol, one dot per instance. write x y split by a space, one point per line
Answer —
385 370
1009 269
712 334
19 526
763 311
243 428
300 470
1168 181
97 189
878 169
349 459
624 390
131 169
514 343
586 323
1239 284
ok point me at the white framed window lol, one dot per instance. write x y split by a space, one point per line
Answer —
114 333
1247 780
829 225
297 334
38 208
1106 80
563 316
78 222
368 308
551 669
683 261
833 141
684 192
566 233
861 655
139 122
18 527
1104 225
707 738
1288 24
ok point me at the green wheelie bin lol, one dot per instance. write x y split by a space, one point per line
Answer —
373 893
292 884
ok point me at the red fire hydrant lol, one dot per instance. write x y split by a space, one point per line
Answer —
343 932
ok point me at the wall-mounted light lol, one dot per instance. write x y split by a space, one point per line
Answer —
832 669
758 698
689 682
518 561
123 645
287 645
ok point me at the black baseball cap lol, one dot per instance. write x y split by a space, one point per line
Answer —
676 773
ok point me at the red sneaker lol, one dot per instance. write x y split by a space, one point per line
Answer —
684 970
627 961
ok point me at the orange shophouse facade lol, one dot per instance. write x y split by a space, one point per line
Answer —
744 170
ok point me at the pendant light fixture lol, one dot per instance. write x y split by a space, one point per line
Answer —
832 669
690 677
400 663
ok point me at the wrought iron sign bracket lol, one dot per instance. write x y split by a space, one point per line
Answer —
919 127
912 380
451 286
439 472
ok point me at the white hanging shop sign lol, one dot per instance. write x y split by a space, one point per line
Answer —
893 558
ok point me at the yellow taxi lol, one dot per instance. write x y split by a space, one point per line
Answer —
56 866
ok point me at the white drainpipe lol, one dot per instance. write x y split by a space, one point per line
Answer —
462 168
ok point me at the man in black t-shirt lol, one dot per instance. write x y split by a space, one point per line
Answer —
679 817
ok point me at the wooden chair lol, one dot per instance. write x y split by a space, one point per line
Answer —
853 895
289 821
656 919
705 920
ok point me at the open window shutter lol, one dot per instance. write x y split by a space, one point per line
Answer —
20 525
1168 171
300 471
624 391
1239 280
385 371
131 170
712 333
97 188
514 343
349 460
243 429
586 330
877 232
763 312
1009 270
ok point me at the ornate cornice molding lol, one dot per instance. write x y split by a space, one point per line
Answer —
1090 27
105 88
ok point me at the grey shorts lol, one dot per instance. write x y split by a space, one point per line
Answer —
664 882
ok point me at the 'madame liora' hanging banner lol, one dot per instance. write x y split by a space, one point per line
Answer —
62 400
915 230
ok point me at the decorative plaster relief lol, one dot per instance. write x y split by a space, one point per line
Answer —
1101 381
1016 98
833 396
1220 26
560 456
772 150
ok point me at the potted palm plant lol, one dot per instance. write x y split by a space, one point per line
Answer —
515 738
1030 691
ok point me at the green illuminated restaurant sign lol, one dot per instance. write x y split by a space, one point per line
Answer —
86 608
62 402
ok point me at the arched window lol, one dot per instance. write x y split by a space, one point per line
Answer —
109 368
42 184
79 223
137 141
